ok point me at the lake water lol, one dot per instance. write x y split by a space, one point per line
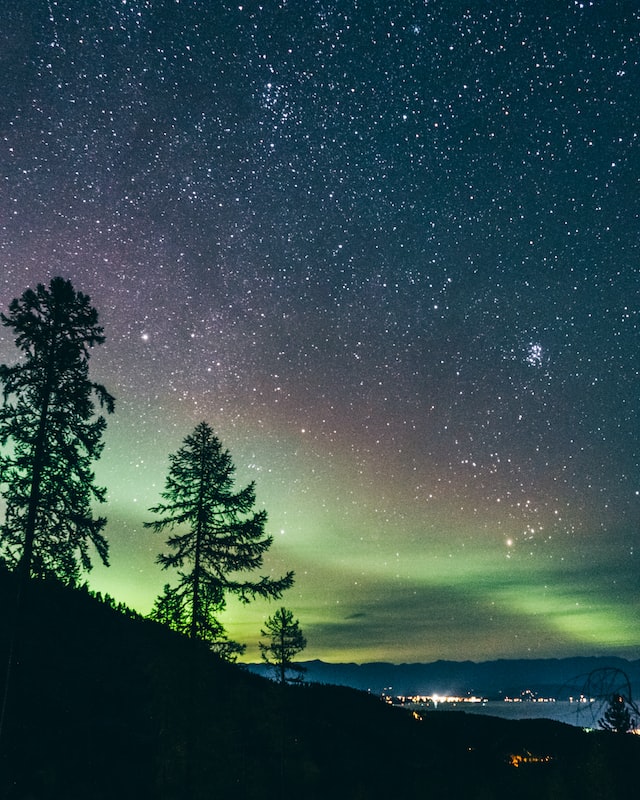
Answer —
582 715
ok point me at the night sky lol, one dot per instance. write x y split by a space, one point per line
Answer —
390 252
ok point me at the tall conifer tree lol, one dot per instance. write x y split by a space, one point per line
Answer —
217 537
52 434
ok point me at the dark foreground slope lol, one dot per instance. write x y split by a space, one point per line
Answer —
105 706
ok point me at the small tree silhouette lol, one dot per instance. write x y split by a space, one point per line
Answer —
617 717
604 685
285 642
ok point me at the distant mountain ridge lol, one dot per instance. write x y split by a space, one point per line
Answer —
556 677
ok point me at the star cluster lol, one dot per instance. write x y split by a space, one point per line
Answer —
390 252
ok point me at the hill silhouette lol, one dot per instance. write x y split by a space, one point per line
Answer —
107 705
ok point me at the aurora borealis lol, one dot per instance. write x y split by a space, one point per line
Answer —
390 252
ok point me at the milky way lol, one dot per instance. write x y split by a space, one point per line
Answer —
390 252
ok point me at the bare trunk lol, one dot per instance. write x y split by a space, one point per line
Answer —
34 495
196 588
199 533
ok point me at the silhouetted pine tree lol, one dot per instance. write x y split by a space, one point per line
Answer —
48 419
617 717
285 642
218 536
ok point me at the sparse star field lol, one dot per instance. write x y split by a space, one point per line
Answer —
390 252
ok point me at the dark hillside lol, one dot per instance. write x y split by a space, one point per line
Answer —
108 706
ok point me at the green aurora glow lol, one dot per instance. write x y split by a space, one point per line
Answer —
376 578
